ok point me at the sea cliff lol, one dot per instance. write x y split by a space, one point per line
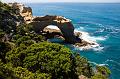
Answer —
26 54
65 26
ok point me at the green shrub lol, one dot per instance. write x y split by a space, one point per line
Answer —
98 76
6 72
103 70
22 39
4 48
9 72
45 57
82 66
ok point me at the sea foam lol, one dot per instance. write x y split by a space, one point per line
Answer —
90 39
94 63
86 37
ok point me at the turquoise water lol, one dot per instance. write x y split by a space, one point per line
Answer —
101 21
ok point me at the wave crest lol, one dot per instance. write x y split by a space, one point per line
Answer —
92 40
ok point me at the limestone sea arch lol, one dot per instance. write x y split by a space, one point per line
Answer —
65 25
40 22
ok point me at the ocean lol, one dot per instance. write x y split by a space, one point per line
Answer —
100 20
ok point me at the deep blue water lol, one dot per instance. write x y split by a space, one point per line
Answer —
101 21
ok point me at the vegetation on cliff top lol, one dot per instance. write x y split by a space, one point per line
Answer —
25 54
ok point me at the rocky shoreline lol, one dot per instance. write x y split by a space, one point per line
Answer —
83 45
26 53
65 29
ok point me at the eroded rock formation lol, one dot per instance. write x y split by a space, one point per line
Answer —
24 11
39 23
62 23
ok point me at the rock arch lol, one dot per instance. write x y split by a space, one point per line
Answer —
65 25
39 23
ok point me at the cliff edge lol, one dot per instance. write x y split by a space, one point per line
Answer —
39 23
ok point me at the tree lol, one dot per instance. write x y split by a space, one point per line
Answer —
82 66
103 70
98 76
6 72
44 57
23 73
22 39
4 48
9 72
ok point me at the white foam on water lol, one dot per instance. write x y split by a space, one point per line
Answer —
86 36
91 39
94 63
103 65
82 28
108 60
94 47
115 62
100 30
98 48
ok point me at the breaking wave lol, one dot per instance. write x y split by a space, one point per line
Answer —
94 63
86 37
91 39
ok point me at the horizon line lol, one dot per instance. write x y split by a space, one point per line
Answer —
56 2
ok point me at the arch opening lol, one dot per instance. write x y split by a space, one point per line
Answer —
53 33
52 28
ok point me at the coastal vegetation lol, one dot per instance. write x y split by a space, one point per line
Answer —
25 54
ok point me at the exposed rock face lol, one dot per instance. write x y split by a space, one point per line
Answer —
62 23
82 77
39 23
24 11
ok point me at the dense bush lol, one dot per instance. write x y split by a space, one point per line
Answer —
6 72
44 57
103 70
28 40
54 61
8 18
22 40
98 76
4 48
9 72
82 66
5 7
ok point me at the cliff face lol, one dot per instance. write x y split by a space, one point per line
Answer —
39 23
24 11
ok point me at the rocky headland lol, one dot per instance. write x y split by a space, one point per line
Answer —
66 28
25 52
